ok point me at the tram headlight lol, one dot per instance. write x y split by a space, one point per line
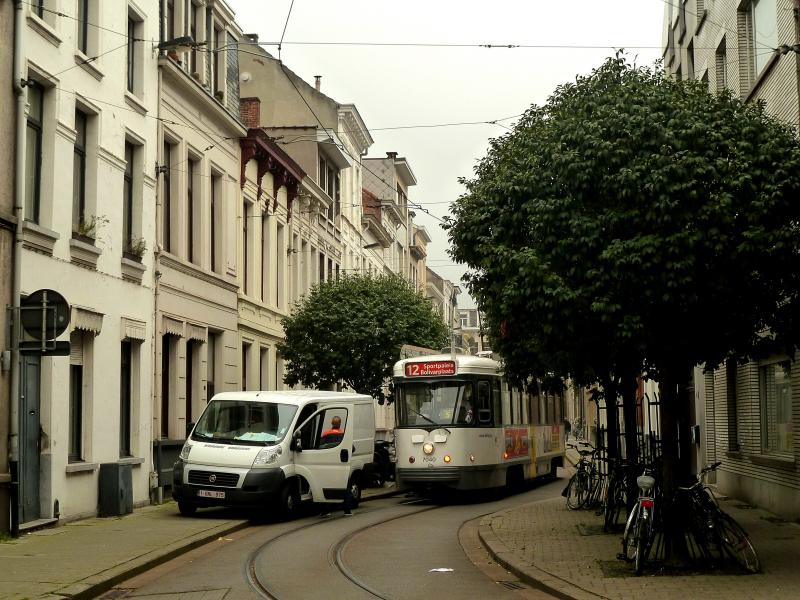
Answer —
427 448
447 458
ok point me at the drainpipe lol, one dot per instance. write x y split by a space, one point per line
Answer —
19 199
797 54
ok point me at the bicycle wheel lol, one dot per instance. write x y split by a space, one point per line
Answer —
629 535
615 503
642 541
578 490
736 543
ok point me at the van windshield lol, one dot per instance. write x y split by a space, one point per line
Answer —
241 422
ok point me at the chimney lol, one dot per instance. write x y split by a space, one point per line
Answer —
392 155
250 110
318 82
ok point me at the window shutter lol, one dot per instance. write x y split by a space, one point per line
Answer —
233 75
76 348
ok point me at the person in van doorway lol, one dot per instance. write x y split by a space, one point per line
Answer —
334 435
335 428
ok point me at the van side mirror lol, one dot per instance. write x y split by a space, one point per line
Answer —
296 444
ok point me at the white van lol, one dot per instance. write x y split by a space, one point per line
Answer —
276 449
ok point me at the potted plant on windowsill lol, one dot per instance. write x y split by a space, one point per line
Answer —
135 249
86 230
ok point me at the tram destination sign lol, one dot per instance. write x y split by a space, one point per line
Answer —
430 368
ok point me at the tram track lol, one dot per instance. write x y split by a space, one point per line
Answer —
335 555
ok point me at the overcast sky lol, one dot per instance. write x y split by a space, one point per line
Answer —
400 86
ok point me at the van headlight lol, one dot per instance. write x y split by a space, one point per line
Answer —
184 455
267 456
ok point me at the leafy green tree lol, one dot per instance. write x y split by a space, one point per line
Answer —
635 223
351 330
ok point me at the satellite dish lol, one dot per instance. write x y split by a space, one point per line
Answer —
245 76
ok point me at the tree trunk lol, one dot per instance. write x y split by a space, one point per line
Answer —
629 388
676 458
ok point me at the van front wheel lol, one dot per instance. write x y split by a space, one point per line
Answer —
288 500
187 509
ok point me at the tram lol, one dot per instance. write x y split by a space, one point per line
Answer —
460 426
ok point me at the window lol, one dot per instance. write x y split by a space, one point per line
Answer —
329 181
192 29
83 26
721 66
730 397
245 360
211 364
166 208
764 23
168 372
775 390
135 59
325 430
245 245
33 152
265 256
192 385
125 398
217 61
79 173
280 266
169 31
38 8
192 214
232 74
127 198
263 368
690 60
76 396
216 218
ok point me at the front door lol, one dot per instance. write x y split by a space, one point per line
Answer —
29 438
326 446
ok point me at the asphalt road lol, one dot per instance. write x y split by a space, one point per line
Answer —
401 548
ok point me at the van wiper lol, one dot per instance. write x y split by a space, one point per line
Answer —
432 422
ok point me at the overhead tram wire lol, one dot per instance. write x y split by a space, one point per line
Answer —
285 25
344 149
89 23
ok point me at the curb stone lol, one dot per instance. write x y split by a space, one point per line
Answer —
527 572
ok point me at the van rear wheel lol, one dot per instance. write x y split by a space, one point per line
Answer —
355 490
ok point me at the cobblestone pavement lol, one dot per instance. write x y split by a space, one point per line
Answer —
568 551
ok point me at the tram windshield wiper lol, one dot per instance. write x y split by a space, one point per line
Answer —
428 419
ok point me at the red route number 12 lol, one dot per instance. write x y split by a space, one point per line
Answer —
426 369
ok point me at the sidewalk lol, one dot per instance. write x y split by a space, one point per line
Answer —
84 558
568 552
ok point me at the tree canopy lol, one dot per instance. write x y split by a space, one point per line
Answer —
634 222
351 330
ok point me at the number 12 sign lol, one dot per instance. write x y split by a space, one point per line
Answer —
427 369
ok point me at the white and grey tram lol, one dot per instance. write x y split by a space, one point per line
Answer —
460 426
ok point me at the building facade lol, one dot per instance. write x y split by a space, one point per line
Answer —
746 412
197 345
734 44
89 212
8 117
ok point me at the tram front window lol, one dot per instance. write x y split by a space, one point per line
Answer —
442 403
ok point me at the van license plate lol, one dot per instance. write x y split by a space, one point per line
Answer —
210 494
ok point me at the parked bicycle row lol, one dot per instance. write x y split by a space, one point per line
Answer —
698 529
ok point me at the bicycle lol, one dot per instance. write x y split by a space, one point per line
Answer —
581 484
616 499
640 526
712 527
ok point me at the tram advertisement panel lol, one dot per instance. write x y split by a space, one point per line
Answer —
517 442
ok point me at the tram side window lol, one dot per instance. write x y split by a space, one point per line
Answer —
533 403
512 400
551 407
542 407
502 401
497 401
